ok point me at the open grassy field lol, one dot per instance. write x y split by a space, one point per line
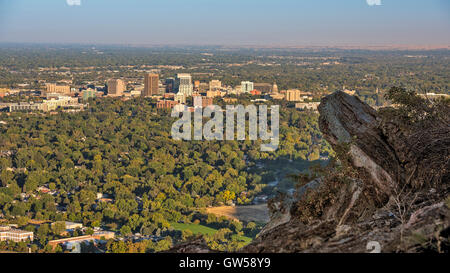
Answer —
201 229
254 213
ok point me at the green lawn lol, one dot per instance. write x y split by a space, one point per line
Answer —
196 229
201 229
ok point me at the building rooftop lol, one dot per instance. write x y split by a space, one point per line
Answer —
15 231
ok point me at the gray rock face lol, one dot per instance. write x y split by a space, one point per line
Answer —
280 208
346 119
390 158
391 155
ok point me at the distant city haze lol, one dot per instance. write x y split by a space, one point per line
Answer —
227 22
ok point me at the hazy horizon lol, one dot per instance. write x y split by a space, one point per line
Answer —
264 23
237 46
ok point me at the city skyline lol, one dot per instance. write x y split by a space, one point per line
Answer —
232 22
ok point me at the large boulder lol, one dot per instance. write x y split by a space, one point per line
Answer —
394 201
390 153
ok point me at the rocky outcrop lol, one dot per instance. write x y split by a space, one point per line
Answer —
389 151
393 201
345 119
196 245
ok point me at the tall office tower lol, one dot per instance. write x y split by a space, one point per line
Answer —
151 85
247 87
184 84
116 87
215 85
170 85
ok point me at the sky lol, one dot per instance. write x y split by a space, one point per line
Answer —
227 22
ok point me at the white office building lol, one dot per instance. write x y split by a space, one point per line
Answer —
183 84
247 87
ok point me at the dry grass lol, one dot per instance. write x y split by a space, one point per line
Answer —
254 213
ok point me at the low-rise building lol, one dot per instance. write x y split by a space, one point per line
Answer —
54 88
277 96
53 102
297 95
27 107
10 234
230 100
169 96
135 93
166 104
236 90
73 226
214 85
293 95
204 102
88 93
307 105
214 94
100 235
60 101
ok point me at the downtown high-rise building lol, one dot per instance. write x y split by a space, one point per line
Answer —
151 85
170 85
184 84
116 87
247 87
